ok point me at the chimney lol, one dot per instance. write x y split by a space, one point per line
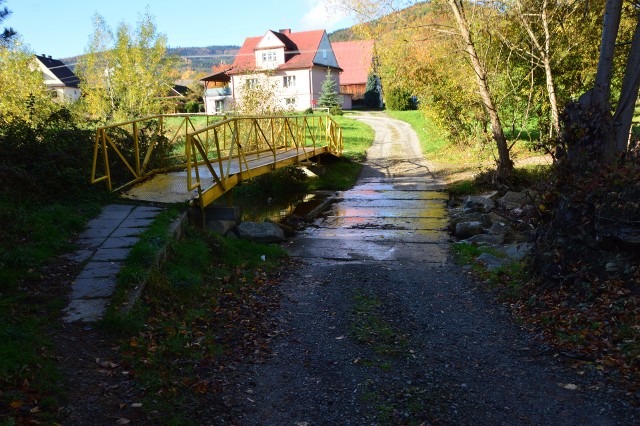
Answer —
286 31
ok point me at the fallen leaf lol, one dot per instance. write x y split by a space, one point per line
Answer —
123 421
340 337
570 386
16 404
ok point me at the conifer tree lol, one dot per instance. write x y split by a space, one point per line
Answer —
328 93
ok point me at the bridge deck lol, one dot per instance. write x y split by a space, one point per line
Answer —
172 187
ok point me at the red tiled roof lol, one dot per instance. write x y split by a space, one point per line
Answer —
300 49
355 58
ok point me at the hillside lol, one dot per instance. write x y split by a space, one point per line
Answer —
193 60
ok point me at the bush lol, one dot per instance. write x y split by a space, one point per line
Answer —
50 162
336 110
399 100
192 107
308 110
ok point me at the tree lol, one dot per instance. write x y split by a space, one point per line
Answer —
328 93
8 33
372 94
505 165
259 95
592 135
125 76
24 94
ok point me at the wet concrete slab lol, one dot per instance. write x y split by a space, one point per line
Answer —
393 203
345 210
380 235
378 223
352 249
399 185
370 194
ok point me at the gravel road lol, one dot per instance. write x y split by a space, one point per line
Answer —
380 327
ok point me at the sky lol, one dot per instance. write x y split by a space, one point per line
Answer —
62 28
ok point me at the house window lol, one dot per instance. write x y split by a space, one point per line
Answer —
252 83
290 102
219 106
268 56
289 80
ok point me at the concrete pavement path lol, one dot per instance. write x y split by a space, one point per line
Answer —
104 246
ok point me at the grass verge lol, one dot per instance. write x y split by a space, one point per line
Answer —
202 307
340 174
32 290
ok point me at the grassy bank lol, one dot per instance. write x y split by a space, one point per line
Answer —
342 173
33 286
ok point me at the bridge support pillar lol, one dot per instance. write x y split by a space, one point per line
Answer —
219 219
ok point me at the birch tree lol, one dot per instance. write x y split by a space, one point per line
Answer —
125 75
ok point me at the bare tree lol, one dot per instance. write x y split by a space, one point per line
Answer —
505 165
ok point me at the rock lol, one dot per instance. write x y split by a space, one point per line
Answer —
288 230
492 262
469 217
485 240
264 232
512 200
626 235
493 195
468 229
479 203
221 227
515 251
499 228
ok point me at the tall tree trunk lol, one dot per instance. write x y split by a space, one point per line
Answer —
590 121
600 97
551 89
628 95
544 52
505 165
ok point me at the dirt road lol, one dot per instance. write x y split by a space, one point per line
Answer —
381 328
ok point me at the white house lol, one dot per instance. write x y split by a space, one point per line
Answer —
62 82
295 64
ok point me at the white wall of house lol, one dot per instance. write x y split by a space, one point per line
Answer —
69 93
290 87
294 90
217 105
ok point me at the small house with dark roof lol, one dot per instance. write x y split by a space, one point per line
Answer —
295 65
60 80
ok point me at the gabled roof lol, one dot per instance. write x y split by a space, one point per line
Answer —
300 50
177 91
220 76
356 60
60 70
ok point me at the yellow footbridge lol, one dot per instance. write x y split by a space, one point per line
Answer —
176 158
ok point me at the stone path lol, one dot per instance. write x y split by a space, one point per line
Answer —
104 246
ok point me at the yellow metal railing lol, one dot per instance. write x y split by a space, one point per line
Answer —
140 146
225 148
240 140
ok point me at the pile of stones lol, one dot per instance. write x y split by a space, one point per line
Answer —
496 221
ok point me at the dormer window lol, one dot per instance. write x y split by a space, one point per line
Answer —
268 56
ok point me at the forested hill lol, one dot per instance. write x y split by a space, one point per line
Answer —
194 60
201 59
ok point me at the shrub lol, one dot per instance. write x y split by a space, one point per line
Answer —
399 100
192 107
336 110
